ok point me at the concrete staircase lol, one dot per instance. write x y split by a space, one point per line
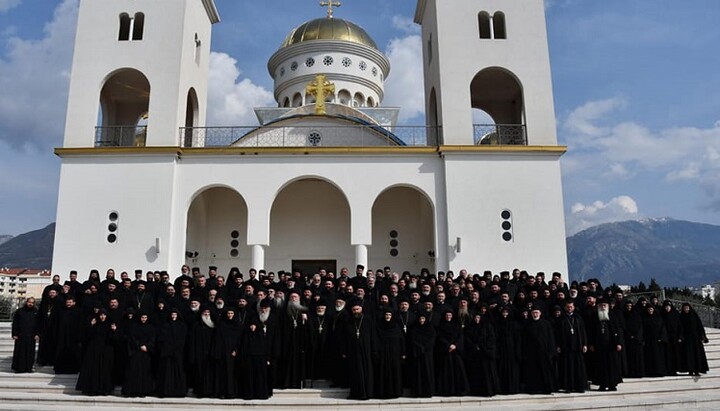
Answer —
44 390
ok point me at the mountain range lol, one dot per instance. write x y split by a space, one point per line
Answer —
674 252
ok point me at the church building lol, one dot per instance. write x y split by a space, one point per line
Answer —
327 178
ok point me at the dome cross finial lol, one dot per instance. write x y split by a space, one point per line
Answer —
330 4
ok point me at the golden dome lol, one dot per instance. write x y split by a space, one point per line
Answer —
329 29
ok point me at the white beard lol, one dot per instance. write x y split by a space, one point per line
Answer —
339 307
264 316
295 307
194 309
208 321
278 302
603 315
412 286
220 305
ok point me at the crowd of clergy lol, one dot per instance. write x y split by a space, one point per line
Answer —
381 334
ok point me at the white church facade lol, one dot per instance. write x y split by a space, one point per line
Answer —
327 178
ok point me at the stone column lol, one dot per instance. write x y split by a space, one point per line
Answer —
361 255
258 257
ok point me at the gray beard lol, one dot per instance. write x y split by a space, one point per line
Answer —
208 321
603 315
194 309
278 302
294 307
339 307
220 306
264 316
462 312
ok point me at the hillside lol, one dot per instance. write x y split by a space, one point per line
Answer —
674 252
29 250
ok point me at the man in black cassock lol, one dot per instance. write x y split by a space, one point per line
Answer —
171 378
25 333
538 349
339 318
606 340
70 327
360 346
271 335
294 342
50 308
200 341
319 324
634 341
572 345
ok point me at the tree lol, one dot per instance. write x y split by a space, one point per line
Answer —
654 286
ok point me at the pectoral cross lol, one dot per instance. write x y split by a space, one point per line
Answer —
320 88
330 4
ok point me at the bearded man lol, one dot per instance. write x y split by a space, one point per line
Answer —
606 341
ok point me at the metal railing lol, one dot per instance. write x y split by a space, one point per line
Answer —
309 136
500 134
709 316
120 136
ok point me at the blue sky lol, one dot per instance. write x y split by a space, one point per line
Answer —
636 88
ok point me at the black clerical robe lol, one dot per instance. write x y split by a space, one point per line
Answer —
481 358
24 330
360 345
571 338
539 348
171 378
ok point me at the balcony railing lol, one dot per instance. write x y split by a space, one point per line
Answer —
500 134
308 136
120 136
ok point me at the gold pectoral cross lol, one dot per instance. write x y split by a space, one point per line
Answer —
330 4
320 88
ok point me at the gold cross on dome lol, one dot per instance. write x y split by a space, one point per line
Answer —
320 88
330 4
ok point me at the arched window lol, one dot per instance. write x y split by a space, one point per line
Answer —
359 100
124 32
138 26
344 97
499 94
124 103
370 102
484 25
499 29
286 102
297 100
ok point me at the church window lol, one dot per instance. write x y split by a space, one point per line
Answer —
394 252
138 26
314 138
328 60
124 33
498 21
484 25
112 228
235 234
374 71
234 253
346 62
362 65
310 62
293 66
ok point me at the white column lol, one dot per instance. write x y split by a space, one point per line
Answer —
492 28
361 253
258 257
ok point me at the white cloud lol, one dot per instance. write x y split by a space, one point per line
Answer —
404 87
34 78
690 172
582 216
6 5
405 24
618 170
231 102
582 120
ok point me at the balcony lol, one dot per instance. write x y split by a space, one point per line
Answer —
500 134
309 136
120 136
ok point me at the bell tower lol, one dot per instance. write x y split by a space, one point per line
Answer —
139 72
487 59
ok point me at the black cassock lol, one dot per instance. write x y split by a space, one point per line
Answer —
674 358
171 379
227 340
634 344
97 365
391 349
422 361
481 358
509 346
200 341
68 355
48 328
571 338
693 338
294 350
360 345
604 337
655 344
319 362
255 348
450 376
538 347
24 327
138 370
339 321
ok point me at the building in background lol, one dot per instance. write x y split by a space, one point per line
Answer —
327 178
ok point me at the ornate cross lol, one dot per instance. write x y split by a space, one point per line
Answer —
329 4
320 88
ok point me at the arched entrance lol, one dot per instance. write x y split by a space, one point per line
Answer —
309 228
403 231
498 93
217 230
